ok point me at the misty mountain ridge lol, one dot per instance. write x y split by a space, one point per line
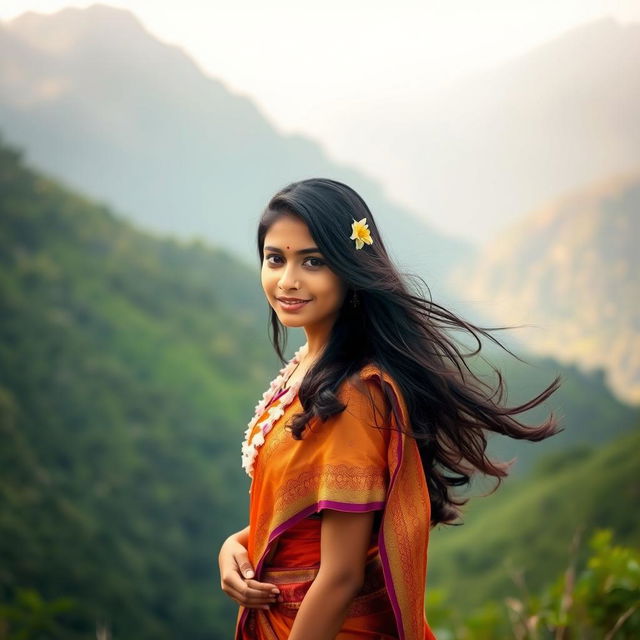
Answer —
560 116
99 102
131 364
176 151
571 270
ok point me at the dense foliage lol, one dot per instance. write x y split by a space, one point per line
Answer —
123 400
527 526
595 600
129 367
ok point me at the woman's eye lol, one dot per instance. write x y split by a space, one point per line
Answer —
313 262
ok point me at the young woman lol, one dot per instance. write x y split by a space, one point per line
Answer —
355 446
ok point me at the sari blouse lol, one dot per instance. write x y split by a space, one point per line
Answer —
351 462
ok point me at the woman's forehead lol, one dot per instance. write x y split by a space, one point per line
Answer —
289 232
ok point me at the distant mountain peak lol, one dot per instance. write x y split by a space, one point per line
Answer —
65 29
569 270
97 11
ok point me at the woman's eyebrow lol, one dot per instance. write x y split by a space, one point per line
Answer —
301 251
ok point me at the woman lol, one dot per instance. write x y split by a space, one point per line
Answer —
352 449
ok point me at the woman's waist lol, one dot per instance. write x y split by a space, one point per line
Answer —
281 574
294 582
300 547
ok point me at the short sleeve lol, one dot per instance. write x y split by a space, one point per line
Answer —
347 455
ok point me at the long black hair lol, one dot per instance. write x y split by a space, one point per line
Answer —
404 334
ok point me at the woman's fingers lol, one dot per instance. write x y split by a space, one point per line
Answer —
236 573
251 602
263 587
244 565
249 592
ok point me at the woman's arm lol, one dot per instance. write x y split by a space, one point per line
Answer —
242 536
345 538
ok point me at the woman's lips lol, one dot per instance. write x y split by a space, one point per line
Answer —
292 306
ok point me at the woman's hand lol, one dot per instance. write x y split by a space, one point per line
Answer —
235 575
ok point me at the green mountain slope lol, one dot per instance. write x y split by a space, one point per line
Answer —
589 411
129 367
526 527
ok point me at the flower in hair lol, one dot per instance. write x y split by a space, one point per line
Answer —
360 233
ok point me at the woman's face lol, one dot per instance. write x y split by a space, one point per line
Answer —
286 273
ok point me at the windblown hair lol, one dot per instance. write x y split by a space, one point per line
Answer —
403 334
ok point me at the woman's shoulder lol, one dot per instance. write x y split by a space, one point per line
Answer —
367 385
376 383
370 376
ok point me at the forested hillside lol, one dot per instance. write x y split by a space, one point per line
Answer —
526 528
129 367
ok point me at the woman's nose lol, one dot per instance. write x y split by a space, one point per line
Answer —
288 278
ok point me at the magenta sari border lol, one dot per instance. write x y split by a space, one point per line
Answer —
350 506
386 568
384 557
312 508
325 504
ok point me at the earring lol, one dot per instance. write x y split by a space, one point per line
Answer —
354 299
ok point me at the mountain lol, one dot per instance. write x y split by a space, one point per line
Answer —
100 103
129 364
525 529
571 269
496 144
129 367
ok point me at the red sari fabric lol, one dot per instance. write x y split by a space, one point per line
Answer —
346 463
293 568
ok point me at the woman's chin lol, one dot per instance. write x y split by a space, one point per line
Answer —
290 322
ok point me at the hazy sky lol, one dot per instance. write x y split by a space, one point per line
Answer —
329 69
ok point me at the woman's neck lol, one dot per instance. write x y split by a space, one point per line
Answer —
317 339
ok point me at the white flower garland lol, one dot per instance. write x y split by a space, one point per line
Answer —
250 448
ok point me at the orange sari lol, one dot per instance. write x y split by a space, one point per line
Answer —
348 464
